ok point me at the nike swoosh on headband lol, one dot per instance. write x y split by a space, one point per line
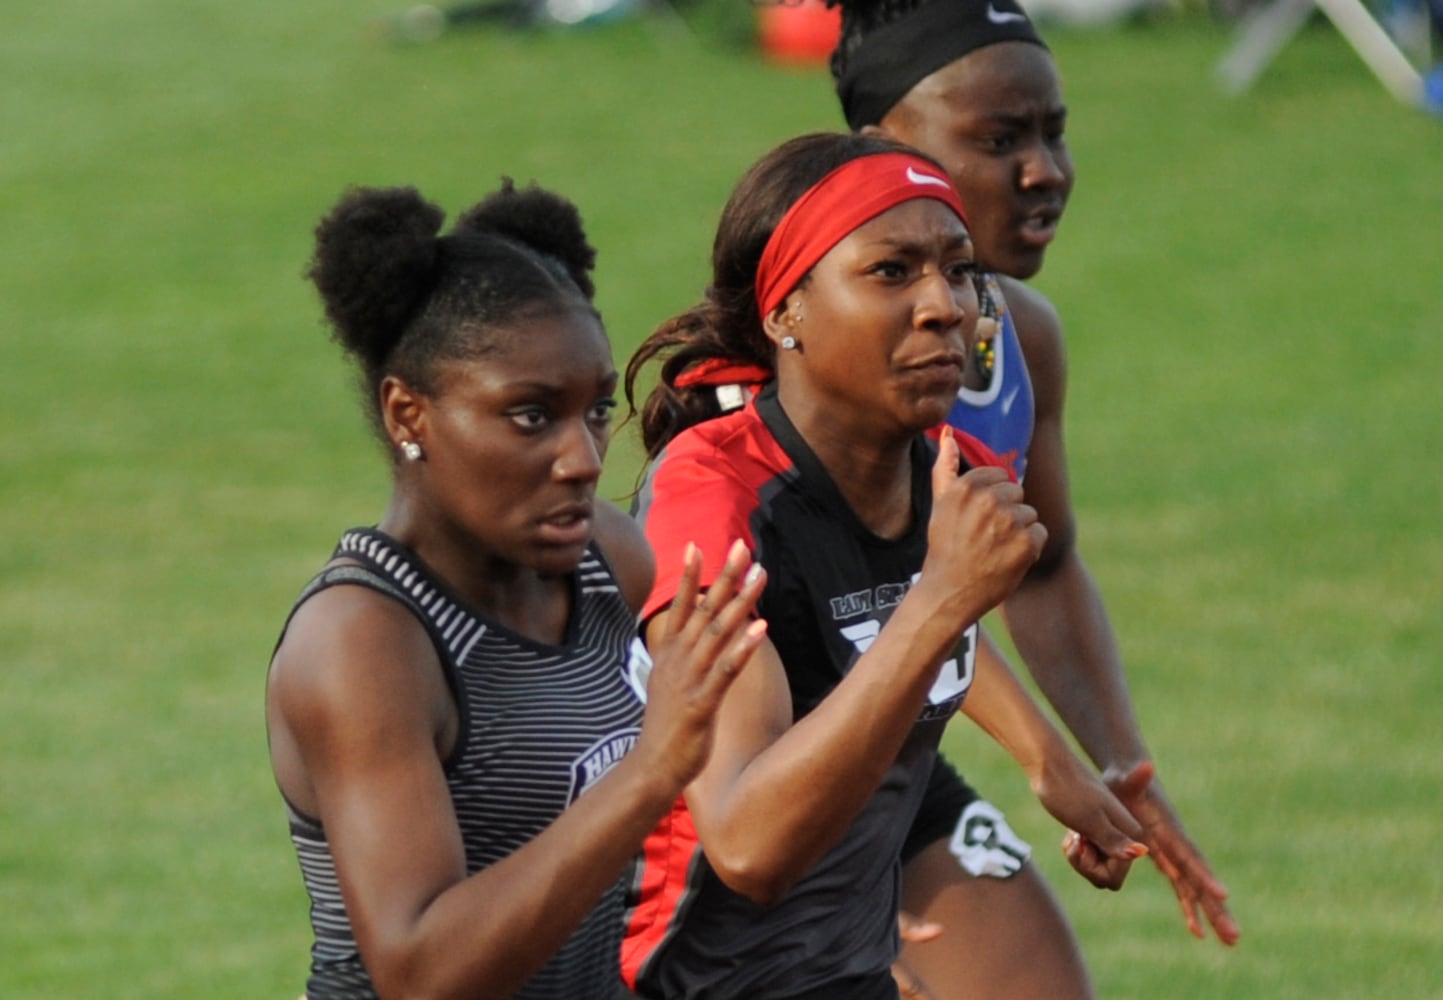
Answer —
916 177
1003 16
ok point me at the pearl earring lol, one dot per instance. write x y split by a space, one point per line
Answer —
789 343
411 451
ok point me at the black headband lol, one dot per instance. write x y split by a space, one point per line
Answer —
891 60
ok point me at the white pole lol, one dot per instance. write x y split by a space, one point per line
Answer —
1372 43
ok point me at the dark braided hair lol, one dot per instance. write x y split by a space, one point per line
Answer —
401 298
859 19
886 47
727 324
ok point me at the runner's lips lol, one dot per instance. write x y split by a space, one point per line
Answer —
568 525
1040 227
940 360
941 367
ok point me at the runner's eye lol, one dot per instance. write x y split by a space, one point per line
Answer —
961 270
530 418
1000 142
601 414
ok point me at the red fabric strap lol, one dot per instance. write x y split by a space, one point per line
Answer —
856 192
720 371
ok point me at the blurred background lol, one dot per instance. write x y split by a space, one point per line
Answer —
1252 286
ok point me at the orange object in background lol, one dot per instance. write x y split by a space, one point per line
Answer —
798 33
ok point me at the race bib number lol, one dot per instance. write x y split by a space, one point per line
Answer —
954 678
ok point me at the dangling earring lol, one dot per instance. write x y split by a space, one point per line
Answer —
789 343
989 322
411 451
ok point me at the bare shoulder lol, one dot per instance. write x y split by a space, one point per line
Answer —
1039 331
347 629
625 546
354 667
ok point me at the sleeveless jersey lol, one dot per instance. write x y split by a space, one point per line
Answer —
1001 415
831 586
538 725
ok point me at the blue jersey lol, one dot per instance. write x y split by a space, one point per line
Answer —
1001 415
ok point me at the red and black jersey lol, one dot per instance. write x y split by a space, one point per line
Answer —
831 586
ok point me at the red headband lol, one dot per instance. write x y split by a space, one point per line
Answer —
856 192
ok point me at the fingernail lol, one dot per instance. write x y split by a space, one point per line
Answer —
689 552
754 573
738 550
757 628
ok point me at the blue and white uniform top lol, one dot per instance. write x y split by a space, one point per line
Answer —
1000 415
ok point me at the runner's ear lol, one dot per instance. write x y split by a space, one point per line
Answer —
779 323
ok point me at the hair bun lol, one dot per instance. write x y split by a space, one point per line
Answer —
374 265
541 220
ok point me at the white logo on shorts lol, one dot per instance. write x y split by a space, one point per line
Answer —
985 844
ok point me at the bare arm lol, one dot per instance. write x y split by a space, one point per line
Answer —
1066 787
774 797
1056 616
1060 626
626 549
359 716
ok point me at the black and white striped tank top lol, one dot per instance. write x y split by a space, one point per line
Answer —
539 724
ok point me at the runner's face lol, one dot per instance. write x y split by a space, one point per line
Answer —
995 120
888 315
514 441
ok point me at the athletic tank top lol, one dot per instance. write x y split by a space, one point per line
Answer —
1001 415
538 725
831 586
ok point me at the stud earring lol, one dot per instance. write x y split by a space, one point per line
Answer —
411 451
789 343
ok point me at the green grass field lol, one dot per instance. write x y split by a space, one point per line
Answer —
1254 294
